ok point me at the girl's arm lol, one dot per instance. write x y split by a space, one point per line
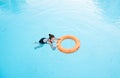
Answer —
57 38
53 47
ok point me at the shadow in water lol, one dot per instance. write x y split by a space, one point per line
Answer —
12 5
2 29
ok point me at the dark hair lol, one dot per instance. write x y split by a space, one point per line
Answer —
51 36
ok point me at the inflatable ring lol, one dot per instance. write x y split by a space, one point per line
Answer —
70 50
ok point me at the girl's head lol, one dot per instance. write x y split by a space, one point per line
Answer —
51 36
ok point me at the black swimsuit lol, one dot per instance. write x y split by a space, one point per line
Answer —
41 41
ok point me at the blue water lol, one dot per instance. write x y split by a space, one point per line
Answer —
95 22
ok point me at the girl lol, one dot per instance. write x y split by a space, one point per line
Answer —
49 41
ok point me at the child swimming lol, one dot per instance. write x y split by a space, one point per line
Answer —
49 41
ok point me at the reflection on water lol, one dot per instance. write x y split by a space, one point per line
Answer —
110 9
11 5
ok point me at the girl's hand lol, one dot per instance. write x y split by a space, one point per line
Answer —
54 48
58 39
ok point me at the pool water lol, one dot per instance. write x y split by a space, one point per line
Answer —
96 23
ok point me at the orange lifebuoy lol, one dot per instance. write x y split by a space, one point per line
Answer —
65 50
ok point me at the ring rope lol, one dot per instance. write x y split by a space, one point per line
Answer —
65 50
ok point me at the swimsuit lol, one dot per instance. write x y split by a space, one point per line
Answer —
43 41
